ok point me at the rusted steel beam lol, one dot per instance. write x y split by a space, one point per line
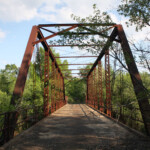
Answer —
57 85
107 82
55 34
88 98
45 45
87 91
77 77
52 86
92 89
90 33
106 47
95 88
74 64
75 56
100 87
46 83
23 71
91 92
75 69
83 33
75 45
48 30
20 84
77 73
64 95
98 33
78 24
59 104
139 89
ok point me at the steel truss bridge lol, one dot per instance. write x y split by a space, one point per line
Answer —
58 98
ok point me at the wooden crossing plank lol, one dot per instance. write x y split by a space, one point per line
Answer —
77 126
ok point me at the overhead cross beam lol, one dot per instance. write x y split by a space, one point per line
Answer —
55 34
78 24
106 47
45 45
75 45
74 69
98 33
76 73
73 64
72 27
75 56
139 88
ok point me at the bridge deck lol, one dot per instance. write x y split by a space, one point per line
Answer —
76 126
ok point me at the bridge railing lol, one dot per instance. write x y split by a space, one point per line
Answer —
128 115
26 118
95 91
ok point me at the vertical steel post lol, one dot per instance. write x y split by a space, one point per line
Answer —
95 88
56 81
59 91
87 92
64 92
62 97
90 89
46 83
52 87
100 89
20 83
92 97
107 80
57 86
140 92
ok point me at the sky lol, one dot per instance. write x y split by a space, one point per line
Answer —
18 16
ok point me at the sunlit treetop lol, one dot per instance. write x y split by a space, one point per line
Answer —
138 12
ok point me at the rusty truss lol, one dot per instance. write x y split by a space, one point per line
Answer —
54 75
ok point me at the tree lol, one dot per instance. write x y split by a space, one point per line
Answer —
138 12
85 39
8 78
76 90
4 101
142 53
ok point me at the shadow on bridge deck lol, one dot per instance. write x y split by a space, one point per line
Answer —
76 126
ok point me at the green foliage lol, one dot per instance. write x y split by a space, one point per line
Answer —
97 17
138 12
76 90
33 94
7 82
68 38
4 101
34 87
8 78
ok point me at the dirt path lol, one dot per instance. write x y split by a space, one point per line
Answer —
77 127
